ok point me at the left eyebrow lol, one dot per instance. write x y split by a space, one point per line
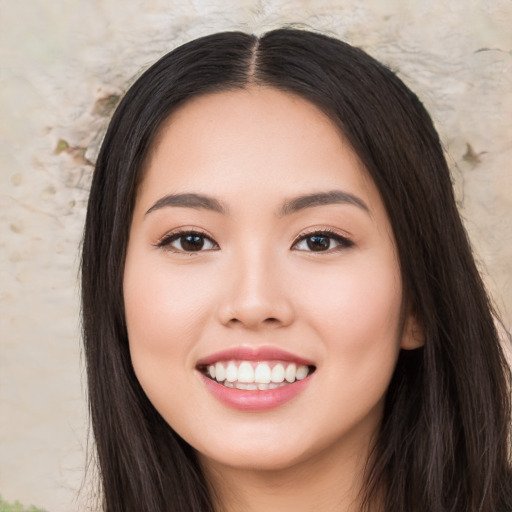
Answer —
321 199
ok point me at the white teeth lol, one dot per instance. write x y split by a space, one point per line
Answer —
253 387
245 372
242 385
262 374
220 373
302 372
291 370
270 385
278 373
231 372
243 375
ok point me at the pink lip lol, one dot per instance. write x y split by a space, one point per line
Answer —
254 401
248 400
246 353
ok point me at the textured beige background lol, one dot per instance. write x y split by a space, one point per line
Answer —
60 63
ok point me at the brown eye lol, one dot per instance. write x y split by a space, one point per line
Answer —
191 241
322 241
318 243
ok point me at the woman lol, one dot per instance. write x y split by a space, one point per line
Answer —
281 309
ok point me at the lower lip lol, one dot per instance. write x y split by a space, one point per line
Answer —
253 401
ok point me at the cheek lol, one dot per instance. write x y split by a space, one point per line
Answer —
163 303
164 315
356 310
353 300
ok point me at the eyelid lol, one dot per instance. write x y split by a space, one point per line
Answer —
165 241
343 240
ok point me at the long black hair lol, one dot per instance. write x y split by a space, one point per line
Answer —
444 443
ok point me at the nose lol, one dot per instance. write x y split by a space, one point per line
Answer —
256 296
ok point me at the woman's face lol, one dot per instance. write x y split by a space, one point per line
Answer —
261 257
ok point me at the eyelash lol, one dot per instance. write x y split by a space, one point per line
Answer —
166 241
342 241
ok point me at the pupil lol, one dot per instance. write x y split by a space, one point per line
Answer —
318 243
192 243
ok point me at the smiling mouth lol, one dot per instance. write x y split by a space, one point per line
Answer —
256 376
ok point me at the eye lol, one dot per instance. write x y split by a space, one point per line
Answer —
322 241
187 241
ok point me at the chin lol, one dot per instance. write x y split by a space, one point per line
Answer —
257 459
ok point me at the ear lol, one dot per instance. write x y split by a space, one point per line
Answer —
413 334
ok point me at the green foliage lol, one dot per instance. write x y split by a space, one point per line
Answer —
62 145
17 507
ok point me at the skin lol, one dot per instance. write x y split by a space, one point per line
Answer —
258 283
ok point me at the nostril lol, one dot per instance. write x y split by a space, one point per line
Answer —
268 321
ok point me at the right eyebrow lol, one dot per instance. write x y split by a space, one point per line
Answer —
196 201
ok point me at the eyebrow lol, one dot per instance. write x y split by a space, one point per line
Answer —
196 201
296 204
321 199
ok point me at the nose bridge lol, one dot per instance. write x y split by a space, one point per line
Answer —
256 294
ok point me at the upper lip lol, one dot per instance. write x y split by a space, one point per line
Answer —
250 353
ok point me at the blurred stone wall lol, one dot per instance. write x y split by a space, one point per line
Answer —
63 65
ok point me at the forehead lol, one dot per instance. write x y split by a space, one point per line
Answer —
254 114
258 140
